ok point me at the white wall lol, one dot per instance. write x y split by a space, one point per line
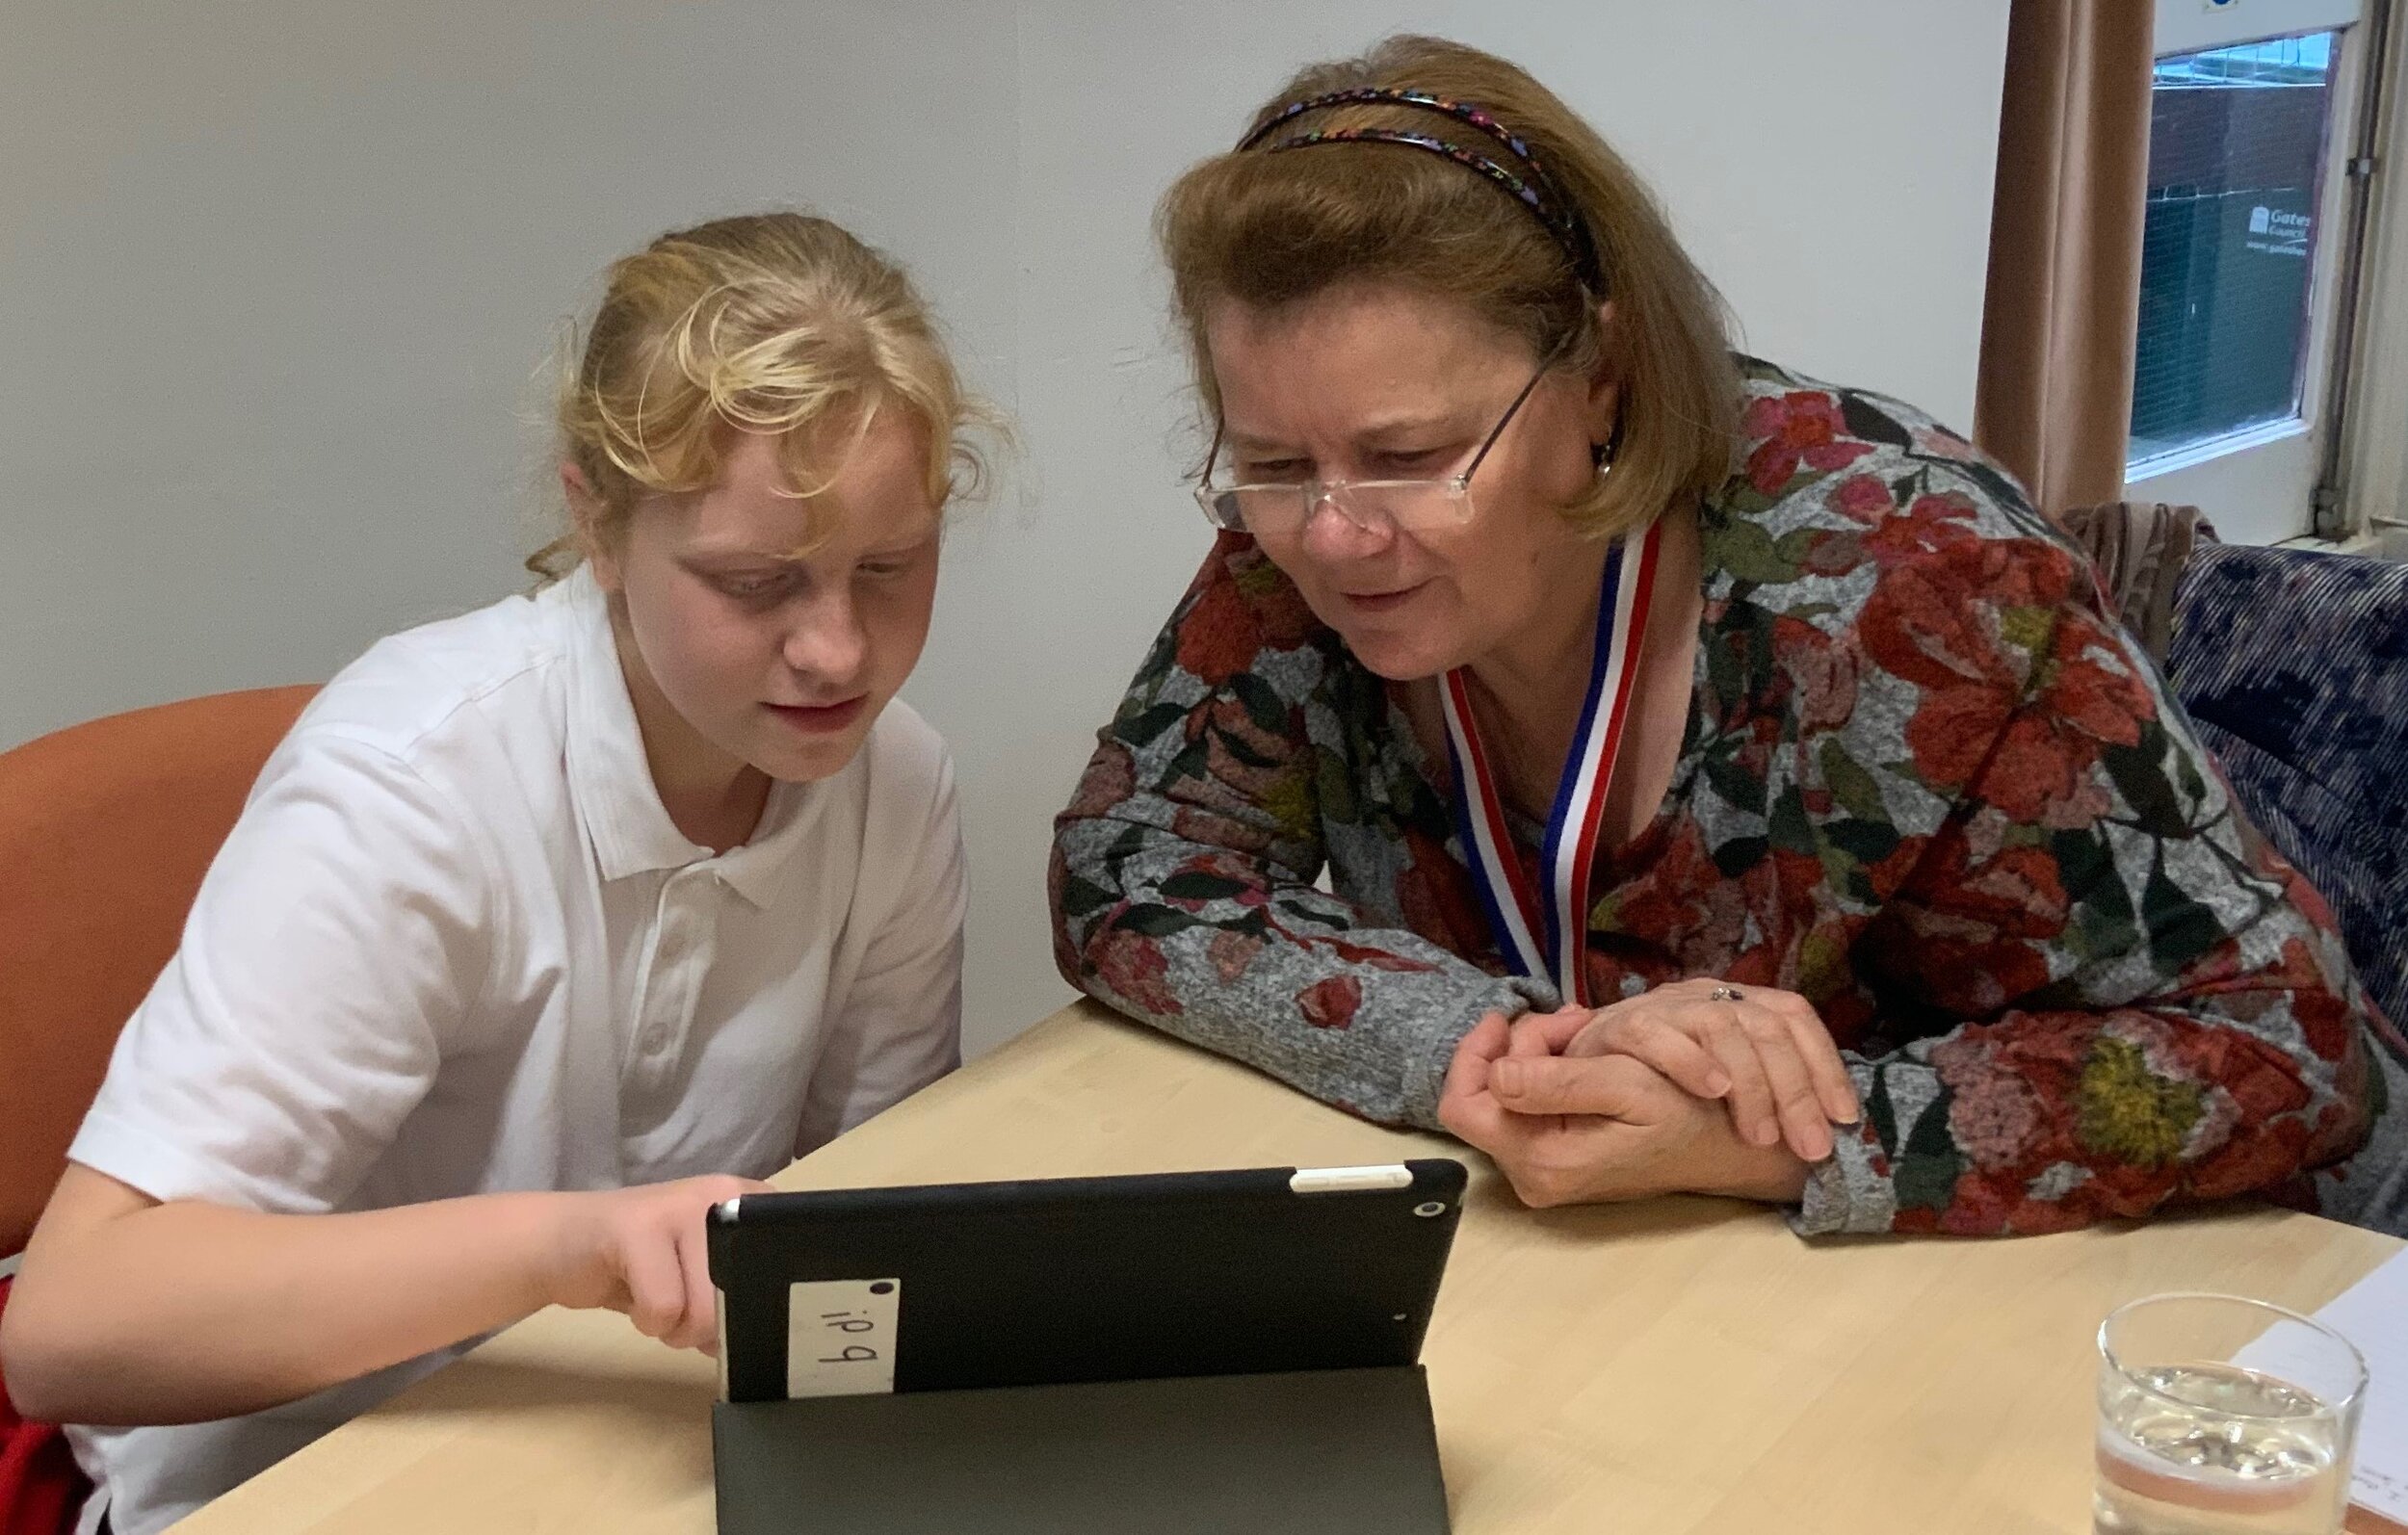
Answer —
276 276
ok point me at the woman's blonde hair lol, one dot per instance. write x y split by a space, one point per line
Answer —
1267 230
778 323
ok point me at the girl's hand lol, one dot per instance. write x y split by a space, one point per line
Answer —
641 1251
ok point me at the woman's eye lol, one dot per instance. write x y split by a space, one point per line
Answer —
1413 458
1274 470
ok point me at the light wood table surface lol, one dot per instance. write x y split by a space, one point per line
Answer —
1677 1366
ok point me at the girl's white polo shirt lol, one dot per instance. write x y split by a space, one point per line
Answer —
454 946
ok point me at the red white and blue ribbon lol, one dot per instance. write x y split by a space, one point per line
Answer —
1544 934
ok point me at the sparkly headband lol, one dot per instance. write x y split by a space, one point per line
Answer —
1535 192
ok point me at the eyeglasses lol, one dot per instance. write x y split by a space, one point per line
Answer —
1276 508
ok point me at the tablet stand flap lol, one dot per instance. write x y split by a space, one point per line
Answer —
1313 1452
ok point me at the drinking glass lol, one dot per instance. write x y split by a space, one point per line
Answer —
2220 1416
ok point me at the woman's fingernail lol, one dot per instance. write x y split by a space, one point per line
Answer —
1718 1085
1509 1076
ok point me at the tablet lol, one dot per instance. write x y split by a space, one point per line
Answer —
956 1286
1192 1352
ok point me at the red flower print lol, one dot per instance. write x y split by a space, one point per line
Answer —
1218 639
2317 1001
1282 617
1686 906
1863 497
1931 523
1330 1003
1133 967
1828 553
1953 731
1231 953
1109 779
2014 894
2262 1082
2039 765
1922 623
1969 625
1995 1120
2128 1103
2265 1159
1364 955
1223 864
1198 824
1240 757
1997 1203
1975 978
1803 427
2092 688
2037 1047
1826 673
2050 749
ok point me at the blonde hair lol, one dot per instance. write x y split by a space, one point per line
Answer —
777 324
1270 229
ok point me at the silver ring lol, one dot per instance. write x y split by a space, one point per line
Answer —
1726 994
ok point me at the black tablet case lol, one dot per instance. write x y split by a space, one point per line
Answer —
1206 1351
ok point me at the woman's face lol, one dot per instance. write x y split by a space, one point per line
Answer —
1381 383
743 652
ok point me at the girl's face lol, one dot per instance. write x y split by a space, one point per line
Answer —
1381 383
740 652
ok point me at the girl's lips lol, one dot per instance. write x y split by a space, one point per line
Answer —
818 721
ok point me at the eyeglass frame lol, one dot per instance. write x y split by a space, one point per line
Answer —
1457 485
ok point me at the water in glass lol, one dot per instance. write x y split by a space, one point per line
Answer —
2210 1448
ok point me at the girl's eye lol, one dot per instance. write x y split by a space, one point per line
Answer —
749 587
886 564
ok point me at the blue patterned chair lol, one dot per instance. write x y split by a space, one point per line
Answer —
2294 666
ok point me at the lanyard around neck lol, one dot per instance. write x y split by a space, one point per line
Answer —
1545 934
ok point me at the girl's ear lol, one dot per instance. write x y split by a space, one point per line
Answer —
587 526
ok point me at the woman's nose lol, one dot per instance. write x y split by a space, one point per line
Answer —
1336 529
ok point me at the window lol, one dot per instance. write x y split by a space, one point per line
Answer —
2237 142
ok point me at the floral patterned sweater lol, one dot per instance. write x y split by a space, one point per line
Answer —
1923 782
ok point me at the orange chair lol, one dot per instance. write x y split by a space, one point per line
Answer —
105 831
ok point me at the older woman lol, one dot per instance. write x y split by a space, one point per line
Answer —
1701 757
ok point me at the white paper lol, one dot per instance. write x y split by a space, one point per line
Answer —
2373 1315
840 1337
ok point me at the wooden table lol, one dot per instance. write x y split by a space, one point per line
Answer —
1679 1366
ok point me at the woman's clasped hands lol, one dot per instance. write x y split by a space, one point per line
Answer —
1698 1086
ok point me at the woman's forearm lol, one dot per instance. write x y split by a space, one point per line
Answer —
132 1312
1215 947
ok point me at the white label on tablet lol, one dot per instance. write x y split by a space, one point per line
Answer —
840 1337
